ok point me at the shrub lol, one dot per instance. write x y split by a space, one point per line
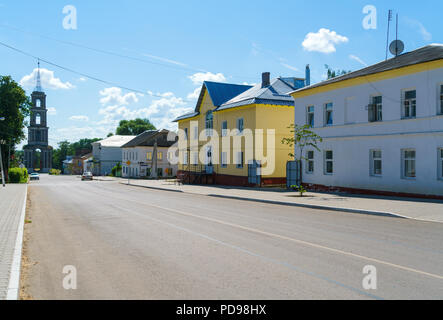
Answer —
117 170
55 172
300 189
18 175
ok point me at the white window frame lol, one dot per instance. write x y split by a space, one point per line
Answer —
224 160
378 112
403 104
195 133
403 163
440 163
372 160
308 113
224 131
159 155
325 161
240 160
310 160
242 127
325 113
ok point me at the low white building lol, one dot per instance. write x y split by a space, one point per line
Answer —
139 159
382 127
107 153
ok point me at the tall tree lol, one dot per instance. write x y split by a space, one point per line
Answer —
335 73
14 107
134 127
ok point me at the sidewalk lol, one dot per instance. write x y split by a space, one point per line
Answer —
411 208
12 215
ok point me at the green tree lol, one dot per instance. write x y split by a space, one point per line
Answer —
59 154
14 107
335 73
302 137
134 127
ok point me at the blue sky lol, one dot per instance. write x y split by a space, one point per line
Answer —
183 43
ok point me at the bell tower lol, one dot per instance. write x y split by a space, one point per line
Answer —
38 132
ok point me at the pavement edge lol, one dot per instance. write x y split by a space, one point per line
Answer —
14 277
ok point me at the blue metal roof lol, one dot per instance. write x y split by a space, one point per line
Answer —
222 92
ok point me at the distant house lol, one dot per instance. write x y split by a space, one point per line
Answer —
107 153
140 157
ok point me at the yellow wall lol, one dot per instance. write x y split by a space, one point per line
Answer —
255 117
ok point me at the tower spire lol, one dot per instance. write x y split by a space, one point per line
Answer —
38 87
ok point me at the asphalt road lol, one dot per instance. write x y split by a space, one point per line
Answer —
134 243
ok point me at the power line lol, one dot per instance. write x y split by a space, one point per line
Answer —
84 74
176 67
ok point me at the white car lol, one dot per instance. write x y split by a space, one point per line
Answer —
34 176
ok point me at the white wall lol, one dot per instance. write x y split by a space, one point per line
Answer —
139 154
351 137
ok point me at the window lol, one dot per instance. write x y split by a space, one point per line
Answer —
159 155
240 160
328 114
310 116
185 158
186 134
38 103
409 104
209 123
194 157
224 159
441 99
160 172
375 109
149 156
329 162
310 162
196 133
376 163
240 125
408 163
440 163
38 119
224 128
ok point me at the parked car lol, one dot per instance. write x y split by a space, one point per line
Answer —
34 176
87 176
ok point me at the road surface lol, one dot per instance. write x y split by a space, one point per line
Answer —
135 243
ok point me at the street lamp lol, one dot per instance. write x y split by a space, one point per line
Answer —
1 160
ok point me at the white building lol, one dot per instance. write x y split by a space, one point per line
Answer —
139 155
382 127
107 153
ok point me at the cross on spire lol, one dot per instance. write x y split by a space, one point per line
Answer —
38 87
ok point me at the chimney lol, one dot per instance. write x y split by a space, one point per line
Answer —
308 76
265 79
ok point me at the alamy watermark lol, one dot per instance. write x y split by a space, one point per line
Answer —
70 20
70 278
370 279
370 20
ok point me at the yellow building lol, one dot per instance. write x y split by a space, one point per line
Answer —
234 135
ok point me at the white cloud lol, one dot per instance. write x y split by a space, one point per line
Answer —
52 111
194 95
114 96
199 77
426 35
323 41
161 111
353 57
49 81
289 66
82 79
79 118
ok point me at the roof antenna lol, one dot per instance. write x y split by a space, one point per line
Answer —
397 46
387 38
38 87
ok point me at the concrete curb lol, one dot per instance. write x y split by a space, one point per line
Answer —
14 277
291 204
